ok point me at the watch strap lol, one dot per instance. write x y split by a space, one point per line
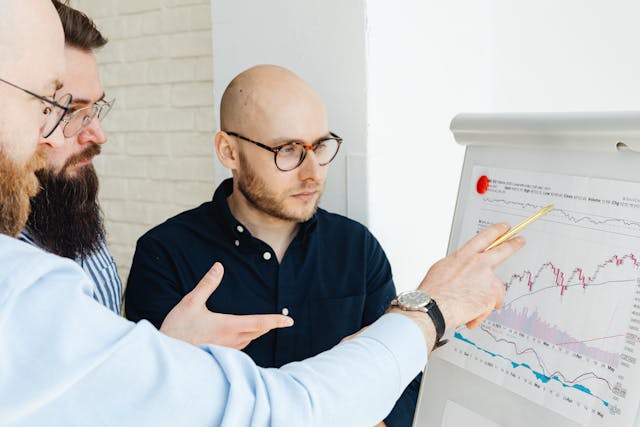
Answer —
435 314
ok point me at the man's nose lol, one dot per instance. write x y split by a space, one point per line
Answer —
310 167
93 133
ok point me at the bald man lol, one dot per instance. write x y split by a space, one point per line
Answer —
282 254
68 360
28 112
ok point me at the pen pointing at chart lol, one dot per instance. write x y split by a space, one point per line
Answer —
519 227
509 234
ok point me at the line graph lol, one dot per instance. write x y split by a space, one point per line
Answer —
568 332
545 376
574 217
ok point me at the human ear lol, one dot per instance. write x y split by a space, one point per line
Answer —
226 149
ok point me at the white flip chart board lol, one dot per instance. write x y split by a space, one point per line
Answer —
564 350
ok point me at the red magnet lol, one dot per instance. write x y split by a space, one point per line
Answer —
483 184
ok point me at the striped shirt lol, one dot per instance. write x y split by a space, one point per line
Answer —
100 267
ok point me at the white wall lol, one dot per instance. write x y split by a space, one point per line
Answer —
158 160
426 61
570 55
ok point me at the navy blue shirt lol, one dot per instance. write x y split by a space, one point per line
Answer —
333 280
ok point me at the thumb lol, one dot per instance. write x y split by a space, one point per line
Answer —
207 285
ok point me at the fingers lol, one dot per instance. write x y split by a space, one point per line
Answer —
485 237
262 323
500 253
259 324
478 320
207 285
497 304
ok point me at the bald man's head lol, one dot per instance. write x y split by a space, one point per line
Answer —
274 107
6 46
27 29
267 96
31 57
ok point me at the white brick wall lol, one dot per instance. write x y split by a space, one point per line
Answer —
159 159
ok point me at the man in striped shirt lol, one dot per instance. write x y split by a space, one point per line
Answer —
65 216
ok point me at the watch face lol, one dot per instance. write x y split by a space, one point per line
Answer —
414 299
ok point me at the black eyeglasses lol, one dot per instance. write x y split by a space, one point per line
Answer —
82 117
290 155
54 109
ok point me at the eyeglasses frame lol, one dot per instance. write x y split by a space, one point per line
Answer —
93 106
44 99
307 147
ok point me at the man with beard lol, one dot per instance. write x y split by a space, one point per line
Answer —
65 217
281 253
66 360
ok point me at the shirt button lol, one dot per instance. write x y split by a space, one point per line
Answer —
285 311
237 242
266 256
240 229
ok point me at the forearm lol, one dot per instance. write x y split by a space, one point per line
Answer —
372 371
423 321
89 349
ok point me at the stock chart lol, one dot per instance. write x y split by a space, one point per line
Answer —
567 334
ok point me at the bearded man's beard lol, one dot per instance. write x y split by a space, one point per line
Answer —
65 216
17 185
260 197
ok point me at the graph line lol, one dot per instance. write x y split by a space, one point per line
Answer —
577 274
592 339
538 375
568 214
582 377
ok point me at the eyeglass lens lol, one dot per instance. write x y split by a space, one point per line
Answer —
55 114
81 118
292 155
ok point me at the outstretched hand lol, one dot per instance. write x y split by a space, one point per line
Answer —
191 321
464 283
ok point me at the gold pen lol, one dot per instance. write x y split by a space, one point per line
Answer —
518 228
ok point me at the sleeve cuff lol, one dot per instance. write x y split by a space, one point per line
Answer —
404 339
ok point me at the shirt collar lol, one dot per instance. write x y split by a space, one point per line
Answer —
230 224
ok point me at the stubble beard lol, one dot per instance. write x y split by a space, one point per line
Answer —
261 198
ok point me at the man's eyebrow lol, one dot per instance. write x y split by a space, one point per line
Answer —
80 101
87 101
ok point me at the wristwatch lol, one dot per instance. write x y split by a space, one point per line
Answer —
421 301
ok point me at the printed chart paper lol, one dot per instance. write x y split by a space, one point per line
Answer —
567 335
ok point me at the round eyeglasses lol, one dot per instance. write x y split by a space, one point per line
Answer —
79 119
55 113
290 155
54 109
